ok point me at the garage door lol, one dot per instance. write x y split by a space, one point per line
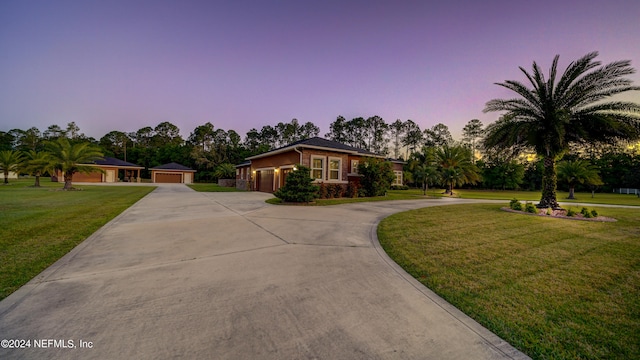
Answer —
168 178
265 181
91 177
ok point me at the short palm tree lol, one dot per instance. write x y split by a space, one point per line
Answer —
10 161
553 114
71 158
577 172
225 171
37 164
455 166
423 168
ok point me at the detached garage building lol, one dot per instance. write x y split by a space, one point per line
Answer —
172 173
108 170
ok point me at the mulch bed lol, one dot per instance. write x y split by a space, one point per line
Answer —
561 214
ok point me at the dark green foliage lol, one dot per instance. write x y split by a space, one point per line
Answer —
594 213
584 211
225 171
352 190
504 175
514 204
377 176
530 208
571 212
323 191
399 187
336 191
299 187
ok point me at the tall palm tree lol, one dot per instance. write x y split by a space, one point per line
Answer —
71 158
38 163
554 114
10 161
577 172
455 166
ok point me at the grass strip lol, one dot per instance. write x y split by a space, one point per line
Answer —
211 187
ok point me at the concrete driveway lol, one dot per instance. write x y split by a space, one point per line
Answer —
183 274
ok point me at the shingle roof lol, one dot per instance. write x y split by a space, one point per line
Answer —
172 166
109 161
318 142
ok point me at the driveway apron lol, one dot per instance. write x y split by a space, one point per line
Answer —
183 274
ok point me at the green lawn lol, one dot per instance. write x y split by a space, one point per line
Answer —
533 196
553 288
39 225
211 187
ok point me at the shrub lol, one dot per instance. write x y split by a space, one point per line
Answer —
587 215
571 212
225 171
584 211
594 213
335 191
399 187
514 204
377 176
299 187
323 192
530 208
352 190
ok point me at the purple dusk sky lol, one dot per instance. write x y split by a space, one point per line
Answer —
123 65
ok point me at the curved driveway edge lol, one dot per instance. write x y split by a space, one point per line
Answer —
227 276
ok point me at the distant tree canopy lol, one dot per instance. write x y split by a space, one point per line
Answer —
208 149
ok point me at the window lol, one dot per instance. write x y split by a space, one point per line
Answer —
354 166
317 168
335 169
398 180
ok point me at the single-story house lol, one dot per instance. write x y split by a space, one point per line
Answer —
331 162
172 173
111 168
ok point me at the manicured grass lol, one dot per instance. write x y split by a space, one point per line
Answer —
534 196
553 288
211 187
39 225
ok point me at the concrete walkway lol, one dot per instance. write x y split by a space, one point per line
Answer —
194 275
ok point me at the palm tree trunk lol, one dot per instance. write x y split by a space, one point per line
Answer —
571 193
37 184
549 185
68 177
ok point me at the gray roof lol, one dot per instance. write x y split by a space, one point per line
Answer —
109 161
172 166
318 142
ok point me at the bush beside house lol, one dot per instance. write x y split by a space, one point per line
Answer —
299 187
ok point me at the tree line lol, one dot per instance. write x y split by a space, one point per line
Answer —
211 151
557 132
